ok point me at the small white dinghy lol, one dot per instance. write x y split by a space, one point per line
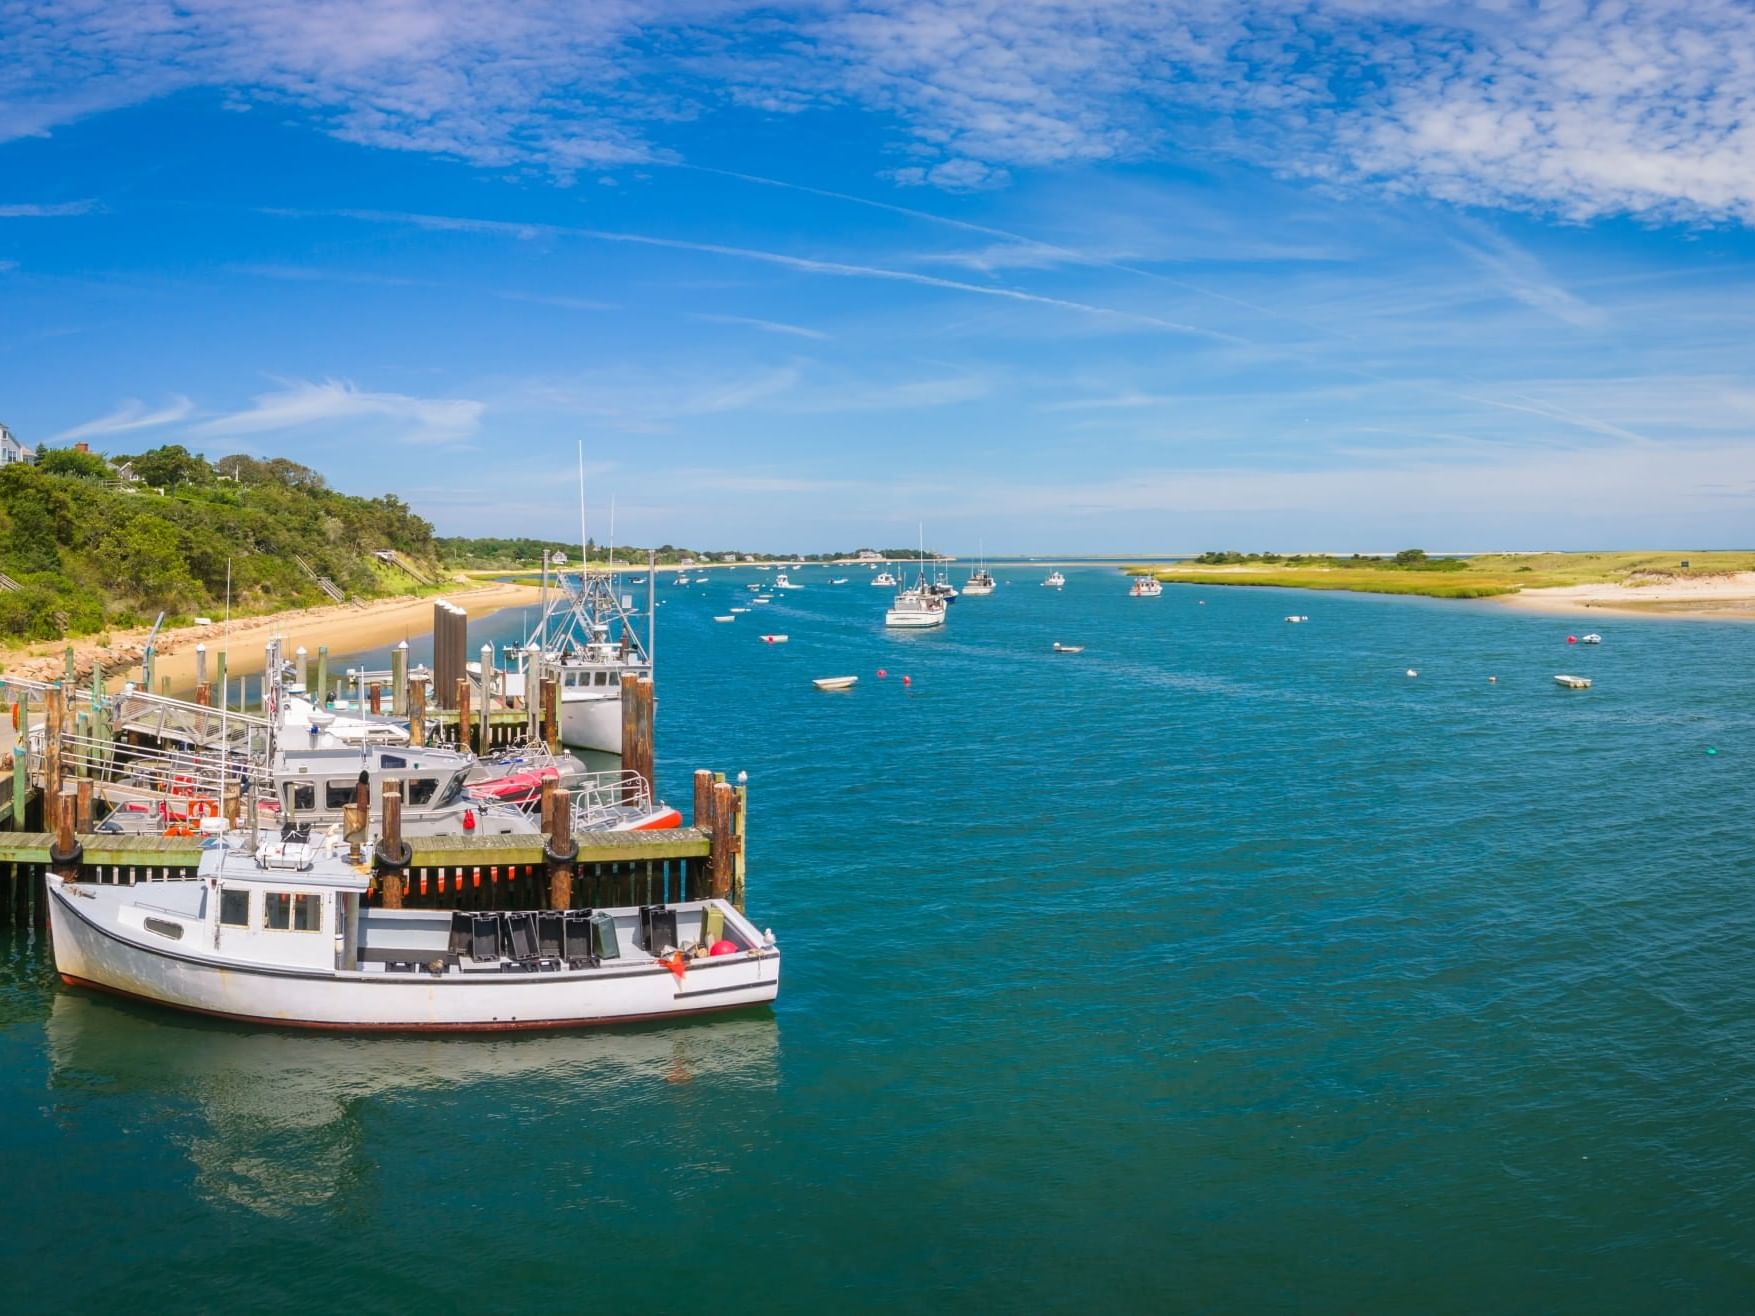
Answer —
740 609
1572 682
1592 638
834 682
1295 618
775 639
1068 648
725 618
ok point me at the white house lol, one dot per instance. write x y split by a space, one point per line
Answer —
11 450
870 555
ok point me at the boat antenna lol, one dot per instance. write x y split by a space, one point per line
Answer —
651 609
612 533
585 555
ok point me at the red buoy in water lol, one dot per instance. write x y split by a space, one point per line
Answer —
1572 639
882 673
907 680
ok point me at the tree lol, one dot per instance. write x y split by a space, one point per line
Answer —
170 466
71 461
1410 557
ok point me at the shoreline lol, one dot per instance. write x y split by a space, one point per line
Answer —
342 626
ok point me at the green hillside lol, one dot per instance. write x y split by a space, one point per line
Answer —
94 544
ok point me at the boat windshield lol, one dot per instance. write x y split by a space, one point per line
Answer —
453 790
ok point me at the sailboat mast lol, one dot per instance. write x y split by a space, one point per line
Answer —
584 553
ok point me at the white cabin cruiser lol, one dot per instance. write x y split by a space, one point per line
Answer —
283 933
1146 587
314 785
1055 580
979 582
916 609
883 580
783 581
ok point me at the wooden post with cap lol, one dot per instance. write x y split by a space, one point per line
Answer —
560 850
54 709
463 713
392 858
417 713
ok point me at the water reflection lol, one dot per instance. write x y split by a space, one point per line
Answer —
281 1114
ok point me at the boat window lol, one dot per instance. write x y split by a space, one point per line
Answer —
601 678
301 795
453 789
615 678
234 908
392 761
282 912
421 789
572 678
165 928
338 794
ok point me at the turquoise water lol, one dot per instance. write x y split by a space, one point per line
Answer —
1220 967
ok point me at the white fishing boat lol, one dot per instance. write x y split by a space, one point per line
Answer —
1145 587
783 581
282 933
1572 682
915 609
835 682
681 580
981 579
1054 580
883 580
1068 648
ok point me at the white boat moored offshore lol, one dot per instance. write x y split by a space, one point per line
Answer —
1592 638
1054 580
775 639
1148 587
883 580
783 581
1068 648
1297 617
834 682
1572 682
727 617
282 934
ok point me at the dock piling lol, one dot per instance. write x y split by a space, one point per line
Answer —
487 698
417 713
320 696
462 697
302 667
392 856
399 679
560 850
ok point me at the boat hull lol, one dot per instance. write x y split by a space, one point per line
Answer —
592 721
914 621
89 955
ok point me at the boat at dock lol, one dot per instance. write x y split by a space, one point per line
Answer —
590 642
285 933
1147 587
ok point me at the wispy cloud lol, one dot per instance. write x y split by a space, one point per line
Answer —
555 299
319 274
804 264
1583 109
301 404
131 415
766 326
49 210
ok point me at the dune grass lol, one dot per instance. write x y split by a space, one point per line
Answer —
1466 578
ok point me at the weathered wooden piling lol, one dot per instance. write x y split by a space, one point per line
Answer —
200 664
637 727
376 696
561 850
551 713
204 694
320 695
222 687
417 713
723 862
399 679
82 805
461 695
391 859
66 854
54 711
487 700
20 784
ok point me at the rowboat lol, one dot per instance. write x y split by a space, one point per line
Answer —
284 933
834 682
727 617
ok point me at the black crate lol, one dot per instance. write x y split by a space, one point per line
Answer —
551 937
521 936
576 938
603 938
657 928
484 937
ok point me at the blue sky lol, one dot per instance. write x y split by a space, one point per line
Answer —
1126 276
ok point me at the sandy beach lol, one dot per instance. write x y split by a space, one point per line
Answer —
343 627
1726 597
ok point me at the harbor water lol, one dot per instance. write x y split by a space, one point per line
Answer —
1224 966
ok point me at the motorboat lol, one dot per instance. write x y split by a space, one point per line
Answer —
783 581
1297 618
839 580
725 617
1068 648
1146 587
303 721
284 933
916 609
1054 580
1592 638
883 580
979 582
1573 682
835 682
775 639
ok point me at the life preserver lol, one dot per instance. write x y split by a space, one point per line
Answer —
204 808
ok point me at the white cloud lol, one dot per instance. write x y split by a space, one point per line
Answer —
131 415
766 326
45 210
336 402
1644 107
